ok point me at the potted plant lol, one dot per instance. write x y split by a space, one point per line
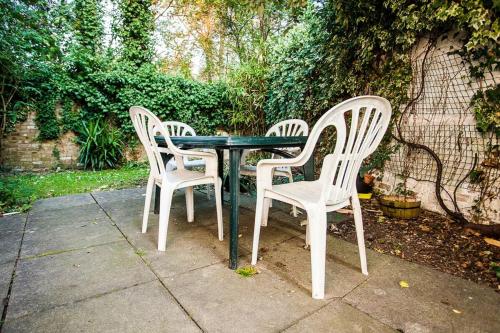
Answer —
403 203
364 183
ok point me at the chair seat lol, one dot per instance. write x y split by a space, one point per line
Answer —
305 192
188 164
251 170
181 176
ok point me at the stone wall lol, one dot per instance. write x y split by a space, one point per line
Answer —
21 151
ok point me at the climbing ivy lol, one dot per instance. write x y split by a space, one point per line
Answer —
135 30
486 107
345 48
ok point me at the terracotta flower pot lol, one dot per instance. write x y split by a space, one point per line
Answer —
400 206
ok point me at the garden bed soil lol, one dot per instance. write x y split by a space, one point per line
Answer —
431 239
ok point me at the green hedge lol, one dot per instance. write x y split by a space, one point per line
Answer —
110 93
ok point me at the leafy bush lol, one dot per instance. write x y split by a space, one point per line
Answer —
101 146
247 89
112 89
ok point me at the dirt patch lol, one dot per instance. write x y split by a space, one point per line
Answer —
431 239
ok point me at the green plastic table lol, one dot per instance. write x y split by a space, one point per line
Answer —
235 145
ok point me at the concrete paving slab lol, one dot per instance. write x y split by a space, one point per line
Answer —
48 281
66 201
222 301
65 216
6 271
339 317
343 274
11 233
275 233
143 308
434 301
189 246
123 195
12 223
67 229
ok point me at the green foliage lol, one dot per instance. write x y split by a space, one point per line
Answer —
100 145
346 48
111 92
476 176
28 47
247 271
495 267
136 29
13 197
88 25
486 107
247 87
17 192
401 189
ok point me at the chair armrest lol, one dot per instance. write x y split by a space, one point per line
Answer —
278 162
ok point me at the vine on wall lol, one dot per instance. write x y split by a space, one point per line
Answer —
347 48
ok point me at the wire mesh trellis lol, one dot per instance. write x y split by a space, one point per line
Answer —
442 119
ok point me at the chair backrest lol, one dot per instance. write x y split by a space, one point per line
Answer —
147 126
176 128
360 123
290 127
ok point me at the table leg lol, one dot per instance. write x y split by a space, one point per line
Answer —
309 169
220 171
234 179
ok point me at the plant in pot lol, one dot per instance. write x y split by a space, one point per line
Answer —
364 183
403 203
366 177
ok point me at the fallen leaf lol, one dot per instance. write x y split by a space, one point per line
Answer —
424 228
404 284
492 241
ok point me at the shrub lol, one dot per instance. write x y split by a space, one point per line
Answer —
101 146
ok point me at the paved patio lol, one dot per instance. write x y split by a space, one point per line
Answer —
80 263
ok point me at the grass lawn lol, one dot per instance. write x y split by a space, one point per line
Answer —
18 192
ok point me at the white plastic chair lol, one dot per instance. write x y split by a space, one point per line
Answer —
147 125
290 127
357 137
177 128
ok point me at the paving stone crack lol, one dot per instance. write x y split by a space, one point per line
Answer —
149 266
9 292
56 306
56 252
309 314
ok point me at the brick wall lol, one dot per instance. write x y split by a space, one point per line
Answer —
21 150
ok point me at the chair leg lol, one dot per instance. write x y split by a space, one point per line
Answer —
317 228
294 208
218 204
258 222
190 204
147 203
265 211
208 191
165 203
308 235
358 221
